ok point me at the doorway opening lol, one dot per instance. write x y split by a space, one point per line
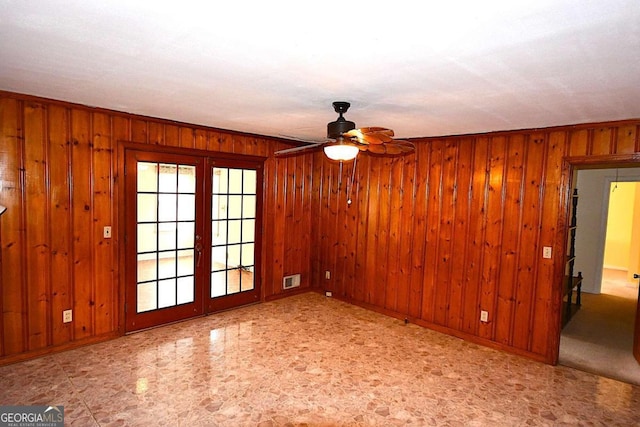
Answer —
600 337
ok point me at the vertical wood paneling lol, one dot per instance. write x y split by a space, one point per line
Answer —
434 236
493 235
371 235
338 214
527 259
267 232
187 137
543 294
82 214
153 132
442 292
407 190
238 144
511 232
140 131
295 261
480 210
434 206
626 139
251 145
121 131
225 143
361 203
288 197
395 234
103 252
336 250
477 227
37 239
419 222
277 247
579 142
299 259
201 139
61 188
461 201
382 234
345 250
304 211
475 235
602 141
171 135
14 280
60 218
324 223
316 200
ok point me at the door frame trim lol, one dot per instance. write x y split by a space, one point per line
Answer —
119 235
569 165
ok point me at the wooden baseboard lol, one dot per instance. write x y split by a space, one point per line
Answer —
288 293
33 354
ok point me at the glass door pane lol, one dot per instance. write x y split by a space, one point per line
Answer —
192 241
163 222
166 224
233 223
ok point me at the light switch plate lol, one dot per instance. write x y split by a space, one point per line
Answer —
546 252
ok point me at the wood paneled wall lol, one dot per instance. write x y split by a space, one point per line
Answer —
458 227
59 171
433 237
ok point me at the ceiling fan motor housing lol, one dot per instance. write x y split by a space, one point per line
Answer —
342 125
337 128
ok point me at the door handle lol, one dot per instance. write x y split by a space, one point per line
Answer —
198 248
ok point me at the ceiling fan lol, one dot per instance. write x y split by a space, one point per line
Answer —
345 141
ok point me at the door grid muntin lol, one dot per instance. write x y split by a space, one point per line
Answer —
233 225
165 235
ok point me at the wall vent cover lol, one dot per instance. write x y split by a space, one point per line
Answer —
292 281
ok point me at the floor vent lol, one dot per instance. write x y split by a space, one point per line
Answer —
292 281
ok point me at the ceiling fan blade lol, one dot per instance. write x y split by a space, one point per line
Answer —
392 148
376 148
377 129
355 134
371 135
295 150
404 146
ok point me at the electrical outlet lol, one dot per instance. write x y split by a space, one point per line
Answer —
67 316
327 275
546 252
484 316
328 293
106 232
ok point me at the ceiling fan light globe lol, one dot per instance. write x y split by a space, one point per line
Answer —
341 152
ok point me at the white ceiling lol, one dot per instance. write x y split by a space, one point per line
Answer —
274 67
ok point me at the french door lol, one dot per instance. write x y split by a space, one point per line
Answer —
192 236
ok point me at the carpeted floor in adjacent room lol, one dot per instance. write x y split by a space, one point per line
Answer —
599 337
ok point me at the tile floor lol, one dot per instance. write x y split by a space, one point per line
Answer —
310 360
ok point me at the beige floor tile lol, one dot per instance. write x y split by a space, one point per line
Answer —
309 360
